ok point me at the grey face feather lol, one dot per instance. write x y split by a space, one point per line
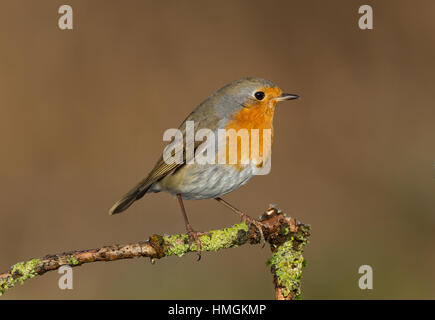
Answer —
234 95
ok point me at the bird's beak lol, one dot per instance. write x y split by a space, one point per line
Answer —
286 96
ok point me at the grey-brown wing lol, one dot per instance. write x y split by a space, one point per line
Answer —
160 170
202 119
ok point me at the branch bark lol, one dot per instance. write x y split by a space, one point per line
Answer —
286 237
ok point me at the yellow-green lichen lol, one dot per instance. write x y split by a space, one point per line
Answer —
176 245
72 261
215 240
19 273
287 263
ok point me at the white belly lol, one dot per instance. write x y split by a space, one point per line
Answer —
204 181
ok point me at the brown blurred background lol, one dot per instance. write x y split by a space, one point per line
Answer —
83 113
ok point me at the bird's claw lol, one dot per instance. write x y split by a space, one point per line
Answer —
194 236
259 225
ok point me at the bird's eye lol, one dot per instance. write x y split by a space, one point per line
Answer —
259 95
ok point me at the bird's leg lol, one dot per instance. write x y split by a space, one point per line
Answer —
193 235
245 218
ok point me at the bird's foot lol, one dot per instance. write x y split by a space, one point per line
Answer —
194 236
258 224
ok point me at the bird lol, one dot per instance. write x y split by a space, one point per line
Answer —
248 103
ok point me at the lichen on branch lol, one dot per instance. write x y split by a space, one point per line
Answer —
285 236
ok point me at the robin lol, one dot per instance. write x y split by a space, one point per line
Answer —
247 103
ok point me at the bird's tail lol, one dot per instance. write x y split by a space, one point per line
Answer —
127 200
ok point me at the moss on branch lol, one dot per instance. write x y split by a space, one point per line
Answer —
285 236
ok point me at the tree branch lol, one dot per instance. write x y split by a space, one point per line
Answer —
285 235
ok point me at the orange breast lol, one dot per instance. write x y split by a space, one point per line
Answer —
257 116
